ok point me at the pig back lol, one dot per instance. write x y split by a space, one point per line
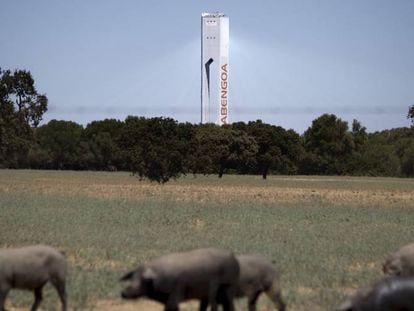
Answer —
195 271
31 266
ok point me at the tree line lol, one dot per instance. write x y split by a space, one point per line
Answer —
161 148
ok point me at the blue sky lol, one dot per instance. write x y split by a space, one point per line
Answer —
290 61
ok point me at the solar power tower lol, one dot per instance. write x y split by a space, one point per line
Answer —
215 55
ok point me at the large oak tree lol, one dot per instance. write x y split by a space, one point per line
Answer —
21 109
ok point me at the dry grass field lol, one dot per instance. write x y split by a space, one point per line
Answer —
327 235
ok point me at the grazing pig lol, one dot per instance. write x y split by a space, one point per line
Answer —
393 293
197 274
401 262
257 275
30 268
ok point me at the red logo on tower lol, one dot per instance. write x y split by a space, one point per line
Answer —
224 94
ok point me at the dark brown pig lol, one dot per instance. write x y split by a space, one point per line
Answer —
197 274
392 293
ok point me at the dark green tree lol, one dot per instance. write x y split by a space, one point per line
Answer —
329 145
407 161
186 133
279 150
204 158
221 148
59 142
359 134
360 138
388 153
111 126
21 109
402 140
242 153
100 140
269 154
154 148
379 160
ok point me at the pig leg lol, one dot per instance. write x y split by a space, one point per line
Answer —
38 298
4 290
173 300
169 307
226 302
226 298
61 290
275 296
203 305
252 300
212 296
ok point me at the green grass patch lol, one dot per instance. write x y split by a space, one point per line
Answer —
324 248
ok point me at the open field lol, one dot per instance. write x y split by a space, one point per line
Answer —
328 235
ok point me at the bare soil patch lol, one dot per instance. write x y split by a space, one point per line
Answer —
209 193
141 304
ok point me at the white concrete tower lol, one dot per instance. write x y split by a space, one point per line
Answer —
215 49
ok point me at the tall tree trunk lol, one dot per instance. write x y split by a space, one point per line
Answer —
221 171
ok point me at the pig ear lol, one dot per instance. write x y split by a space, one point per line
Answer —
127 276
149 274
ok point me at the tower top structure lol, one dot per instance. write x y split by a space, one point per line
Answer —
215 14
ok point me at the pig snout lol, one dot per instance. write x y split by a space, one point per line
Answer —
129 293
